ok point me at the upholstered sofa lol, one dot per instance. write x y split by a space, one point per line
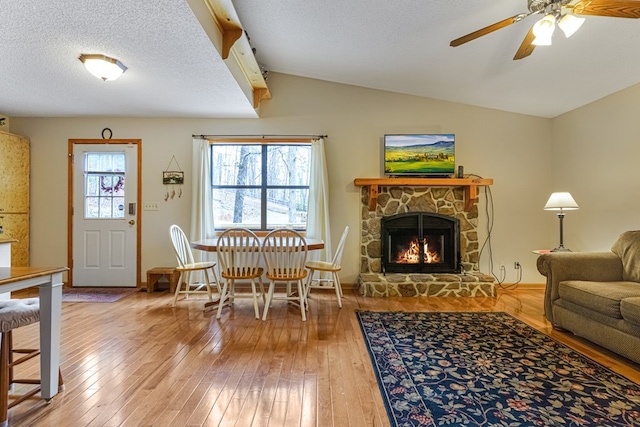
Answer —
596 295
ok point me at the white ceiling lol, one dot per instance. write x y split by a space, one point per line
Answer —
400 46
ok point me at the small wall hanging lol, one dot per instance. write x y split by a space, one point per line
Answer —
172 178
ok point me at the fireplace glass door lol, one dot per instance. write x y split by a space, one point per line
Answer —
420 242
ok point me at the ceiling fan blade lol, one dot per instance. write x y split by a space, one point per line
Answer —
486 30
527 46
610 8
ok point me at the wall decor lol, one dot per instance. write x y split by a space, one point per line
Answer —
173 178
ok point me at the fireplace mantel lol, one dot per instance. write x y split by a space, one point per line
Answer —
470 186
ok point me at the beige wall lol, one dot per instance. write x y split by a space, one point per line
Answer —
595 154
513 149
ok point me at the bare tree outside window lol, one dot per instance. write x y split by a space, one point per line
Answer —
243 165
260 186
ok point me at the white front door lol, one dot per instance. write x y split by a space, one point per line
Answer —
105 215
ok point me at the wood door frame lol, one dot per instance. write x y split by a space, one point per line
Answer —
72 143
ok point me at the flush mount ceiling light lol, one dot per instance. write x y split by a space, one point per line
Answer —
102 66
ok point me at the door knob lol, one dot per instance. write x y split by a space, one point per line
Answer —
132 222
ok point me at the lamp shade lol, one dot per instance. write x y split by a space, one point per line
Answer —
543 30
569 24
103 67
561 201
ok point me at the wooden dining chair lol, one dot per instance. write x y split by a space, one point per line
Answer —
324 274
239 255
188 269
285 254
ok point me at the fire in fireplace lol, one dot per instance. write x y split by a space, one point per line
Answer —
414 252
420 242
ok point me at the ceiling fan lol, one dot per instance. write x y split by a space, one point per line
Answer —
560 12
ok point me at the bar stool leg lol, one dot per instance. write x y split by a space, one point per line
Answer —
4 377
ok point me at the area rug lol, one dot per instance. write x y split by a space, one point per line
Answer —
96 294
489 369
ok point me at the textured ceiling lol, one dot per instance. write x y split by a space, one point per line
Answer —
403 46
173 68
400 46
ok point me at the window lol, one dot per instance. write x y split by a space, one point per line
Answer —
104 185
260 186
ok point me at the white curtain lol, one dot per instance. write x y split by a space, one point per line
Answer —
202 226
318 226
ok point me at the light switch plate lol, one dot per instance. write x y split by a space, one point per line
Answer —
150 206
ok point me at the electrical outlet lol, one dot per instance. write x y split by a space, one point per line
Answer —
516 265
503 272
150 206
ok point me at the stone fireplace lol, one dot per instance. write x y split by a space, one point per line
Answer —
420 242
435 214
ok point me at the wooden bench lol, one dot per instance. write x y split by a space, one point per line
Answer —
156 273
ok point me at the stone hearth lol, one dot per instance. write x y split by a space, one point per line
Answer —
450 201
472 284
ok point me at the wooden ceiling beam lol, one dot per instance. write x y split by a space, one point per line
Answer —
233 45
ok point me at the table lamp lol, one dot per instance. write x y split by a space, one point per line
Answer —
561 202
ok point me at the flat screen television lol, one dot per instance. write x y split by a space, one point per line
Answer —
419 155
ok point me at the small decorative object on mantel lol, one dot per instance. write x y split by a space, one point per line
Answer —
173 178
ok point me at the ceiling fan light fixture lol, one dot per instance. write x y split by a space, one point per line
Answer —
569 24
102 66
543 30
542 41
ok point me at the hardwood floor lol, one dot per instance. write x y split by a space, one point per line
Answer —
140 362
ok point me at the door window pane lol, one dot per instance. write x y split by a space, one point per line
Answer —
104 187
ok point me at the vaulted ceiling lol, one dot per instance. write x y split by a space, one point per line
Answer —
174 53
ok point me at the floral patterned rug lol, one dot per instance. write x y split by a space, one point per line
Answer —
489 369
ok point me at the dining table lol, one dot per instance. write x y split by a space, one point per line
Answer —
211 245
49 283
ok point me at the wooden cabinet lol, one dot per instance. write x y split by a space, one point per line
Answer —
14 195
14 173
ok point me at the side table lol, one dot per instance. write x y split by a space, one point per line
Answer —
156 273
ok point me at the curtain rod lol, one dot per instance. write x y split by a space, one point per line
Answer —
260 136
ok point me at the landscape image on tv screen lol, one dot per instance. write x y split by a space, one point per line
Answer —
425 154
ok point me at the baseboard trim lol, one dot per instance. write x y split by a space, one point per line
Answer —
354 286
525 285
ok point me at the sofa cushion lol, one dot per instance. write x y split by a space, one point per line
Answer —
615 334
627 247
630 310
602 297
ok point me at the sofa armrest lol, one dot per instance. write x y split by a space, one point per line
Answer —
561 266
